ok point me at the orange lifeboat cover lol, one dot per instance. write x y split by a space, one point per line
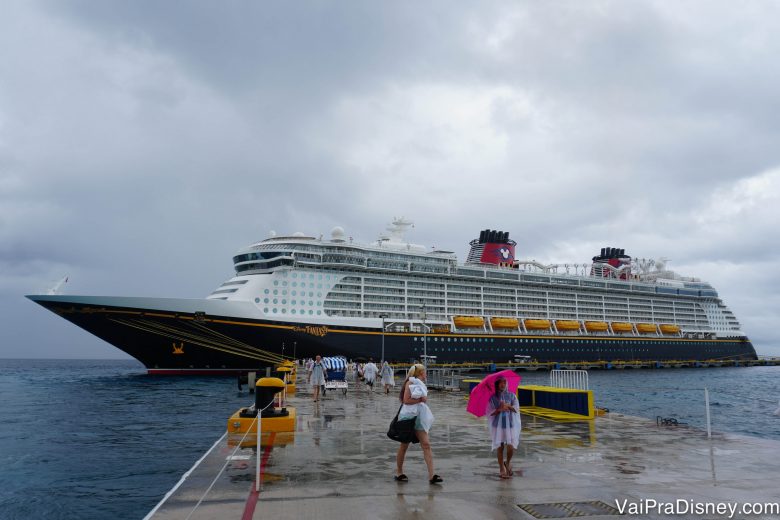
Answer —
537 324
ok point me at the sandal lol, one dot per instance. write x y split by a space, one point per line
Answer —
436 479
401 478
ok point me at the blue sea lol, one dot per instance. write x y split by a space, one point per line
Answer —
101 439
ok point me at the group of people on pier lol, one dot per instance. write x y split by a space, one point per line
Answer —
368 373
502 411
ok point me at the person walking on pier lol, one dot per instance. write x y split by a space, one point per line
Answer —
413 396
369 372
317 377
503 413
355 373
387 376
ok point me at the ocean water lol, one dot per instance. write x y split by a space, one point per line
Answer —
101 439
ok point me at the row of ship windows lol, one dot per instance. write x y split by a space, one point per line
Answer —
402 312
354 289
338 292
311 276
592 284
504 305
275 301
295 284
417 302
567 308
540 349
512 311
593 287
378 255
339 250
414 303
275 310
293 293
475 349
540 341
479 289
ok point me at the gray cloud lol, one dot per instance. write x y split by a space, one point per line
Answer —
142 143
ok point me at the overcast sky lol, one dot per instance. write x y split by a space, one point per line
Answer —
143 143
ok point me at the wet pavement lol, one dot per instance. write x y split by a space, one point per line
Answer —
340 465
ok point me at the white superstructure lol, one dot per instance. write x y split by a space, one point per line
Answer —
339 281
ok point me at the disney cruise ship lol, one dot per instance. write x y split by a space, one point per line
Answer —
298 296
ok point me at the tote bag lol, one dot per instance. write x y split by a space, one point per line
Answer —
402 430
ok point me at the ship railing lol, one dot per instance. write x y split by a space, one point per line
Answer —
569 379
442 378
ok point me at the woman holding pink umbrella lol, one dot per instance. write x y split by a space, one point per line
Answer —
504 424
495 396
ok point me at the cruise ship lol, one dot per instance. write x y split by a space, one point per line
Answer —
298 296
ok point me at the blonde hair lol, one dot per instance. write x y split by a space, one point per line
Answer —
415 370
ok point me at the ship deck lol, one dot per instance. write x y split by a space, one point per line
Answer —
340 464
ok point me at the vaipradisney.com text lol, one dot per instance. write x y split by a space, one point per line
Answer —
683 506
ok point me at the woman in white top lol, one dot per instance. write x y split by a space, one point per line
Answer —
317 377
414 395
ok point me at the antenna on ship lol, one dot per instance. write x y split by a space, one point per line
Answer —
57 288
398 229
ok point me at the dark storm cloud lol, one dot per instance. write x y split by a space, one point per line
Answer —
275 51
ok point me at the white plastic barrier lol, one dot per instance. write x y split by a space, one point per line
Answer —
577 379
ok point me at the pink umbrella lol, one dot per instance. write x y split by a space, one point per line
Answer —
480 396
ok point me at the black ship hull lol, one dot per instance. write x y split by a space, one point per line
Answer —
192 343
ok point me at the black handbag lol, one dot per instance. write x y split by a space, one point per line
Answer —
402 430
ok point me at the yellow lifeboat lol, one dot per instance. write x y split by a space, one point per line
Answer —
537 324
567 325
596 326
646 328
504 323
670 329
468 321
621 326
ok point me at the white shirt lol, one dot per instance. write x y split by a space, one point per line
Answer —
369 371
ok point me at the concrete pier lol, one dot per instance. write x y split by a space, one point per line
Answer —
340 465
